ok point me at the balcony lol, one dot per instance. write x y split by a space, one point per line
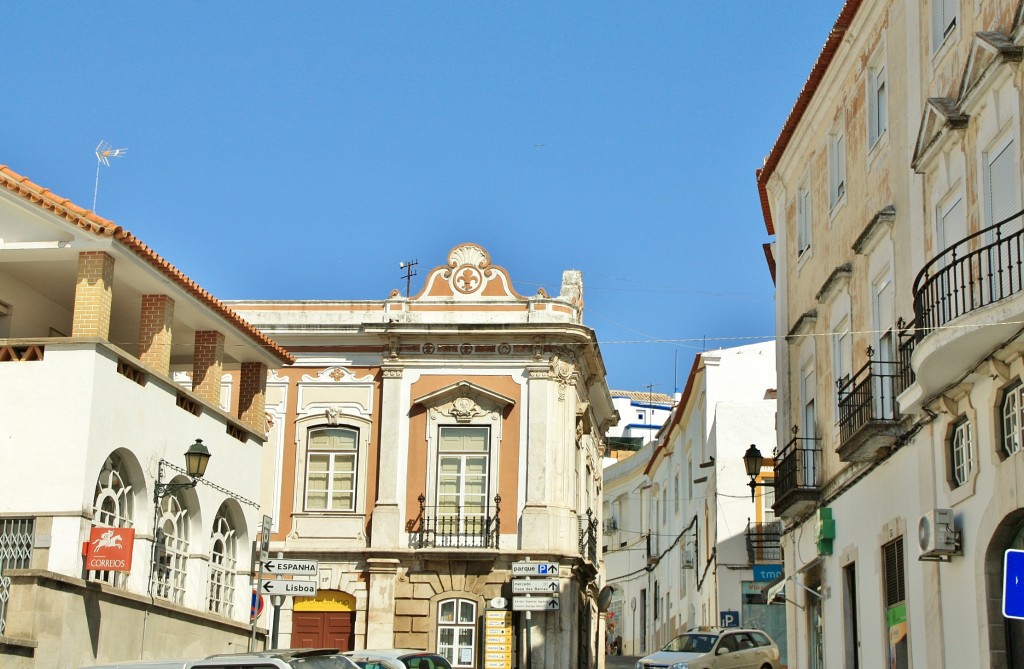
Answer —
797 476
869 417
964 307
764 542
448 526
588 536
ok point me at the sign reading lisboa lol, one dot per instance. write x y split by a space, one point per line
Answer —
110 549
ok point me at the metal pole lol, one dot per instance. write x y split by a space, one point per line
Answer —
529 640
256 602
276 601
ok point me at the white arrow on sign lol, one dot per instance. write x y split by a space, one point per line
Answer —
290 588
535 603
546 586
283 567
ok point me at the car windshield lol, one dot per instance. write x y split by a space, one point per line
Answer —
691 643
321 662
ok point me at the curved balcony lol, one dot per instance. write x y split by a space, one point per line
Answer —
966 305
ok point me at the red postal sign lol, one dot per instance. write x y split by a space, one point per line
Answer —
110 549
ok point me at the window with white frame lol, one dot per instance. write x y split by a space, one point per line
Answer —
878 102
803 219
1002 181
836 165
951 221
808 427
332 461
463 466
456 631
1013 421
842 356
961 452
112 507
221 591
944 20
171 564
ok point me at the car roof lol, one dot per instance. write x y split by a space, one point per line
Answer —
390 652
283 653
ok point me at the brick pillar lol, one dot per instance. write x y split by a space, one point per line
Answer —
252 390
155 332
208 365
93 295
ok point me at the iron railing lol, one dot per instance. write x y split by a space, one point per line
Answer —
449 527
16 539
764 541
588 535
797 466
869 396
907 340
978 270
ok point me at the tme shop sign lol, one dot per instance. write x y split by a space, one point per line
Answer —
110 549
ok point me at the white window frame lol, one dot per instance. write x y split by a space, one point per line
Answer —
1008 141
878 101
113 506
945 208
223 556
803 219
842 356
961 451
335 456
458 653
170 573
945 18
836 165
1012 413
468 524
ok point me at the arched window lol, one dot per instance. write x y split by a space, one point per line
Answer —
171 553
112 507
1013 425
223 545
456 631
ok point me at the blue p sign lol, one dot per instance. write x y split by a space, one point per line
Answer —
1013 584
729 618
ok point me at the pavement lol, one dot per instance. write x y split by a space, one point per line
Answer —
619 661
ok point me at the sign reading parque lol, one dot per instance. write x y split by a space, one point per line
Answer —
534 569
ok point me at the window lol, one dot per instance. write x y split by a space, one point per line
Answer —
842 357
1002 178
836 166
878 102
851 635
952 222
809 422
331 469
803 219
1012 419
961 453
456 631
112 507
676 491
171 552
17 536
895 590
221 594
463 463
944 18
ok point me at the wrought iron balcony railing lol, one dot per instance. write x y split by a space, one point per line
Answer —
981 269
907 334
869 396
448 526
797 473
588 536
764 541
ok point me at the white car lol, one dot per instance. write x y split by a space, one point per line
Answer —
716 648
397 658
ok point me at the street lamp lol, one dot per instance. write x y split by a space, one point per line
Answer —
196 458
752 461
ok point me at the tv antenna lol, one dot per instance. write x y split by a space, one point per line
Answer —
408 265
104 152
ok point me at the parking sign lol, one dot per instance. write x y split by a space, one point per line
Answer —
1013 584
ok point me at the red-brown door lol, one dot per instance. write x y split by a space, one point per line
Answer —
323 629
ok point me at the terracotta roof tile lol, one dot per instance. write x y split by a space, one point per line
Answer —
94 223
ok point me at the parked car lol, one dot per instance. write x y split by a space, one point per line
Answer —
397 658
716 648
298 658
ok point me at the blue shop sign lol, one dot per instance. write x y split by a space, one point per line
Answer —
767 572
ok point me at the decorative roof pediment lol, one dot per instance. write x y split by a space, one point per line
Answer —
939 118
988 51
464 389
468 276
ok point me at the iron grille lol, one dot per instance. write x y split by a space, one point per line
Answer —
870 396
892 563
16 537
588 536
764 542
450 527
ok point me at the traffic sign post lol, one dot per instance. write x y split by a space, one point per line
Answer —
535 603
1013 584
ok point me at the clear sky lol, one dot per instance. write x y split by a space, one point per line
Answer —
295 150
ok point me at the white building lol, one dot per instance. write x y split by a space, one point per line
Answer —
641 415
93 324
682 536
894 194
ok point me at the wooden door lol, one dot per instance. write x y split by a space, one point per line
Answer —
323 629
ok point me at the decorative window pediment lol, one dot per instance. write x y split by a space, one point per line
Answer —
988 51
940 117
464 402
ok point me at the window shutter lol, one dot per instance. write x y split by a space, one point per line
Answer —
1002 184
953 227
892 558
884 307
845 355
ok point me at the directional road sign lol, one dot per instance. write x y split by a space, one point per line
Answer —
291 567
522 586
289 588
535 603
534 569
1013 584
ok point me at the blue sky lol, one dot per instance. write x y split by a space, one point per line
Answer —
301 150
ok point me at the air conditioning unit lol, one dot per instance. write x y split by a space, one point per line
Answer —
936 536
687 560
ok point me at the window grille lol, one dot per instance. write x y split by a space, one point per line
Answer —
112 507
892 564
171 552
16 539
222 567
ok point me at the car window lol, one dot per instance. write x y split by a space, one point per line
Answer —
426 662
728 641
743 641
760 639
691 643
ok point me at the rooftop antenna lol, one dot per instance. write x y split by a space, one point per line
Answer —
408 265
104 152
